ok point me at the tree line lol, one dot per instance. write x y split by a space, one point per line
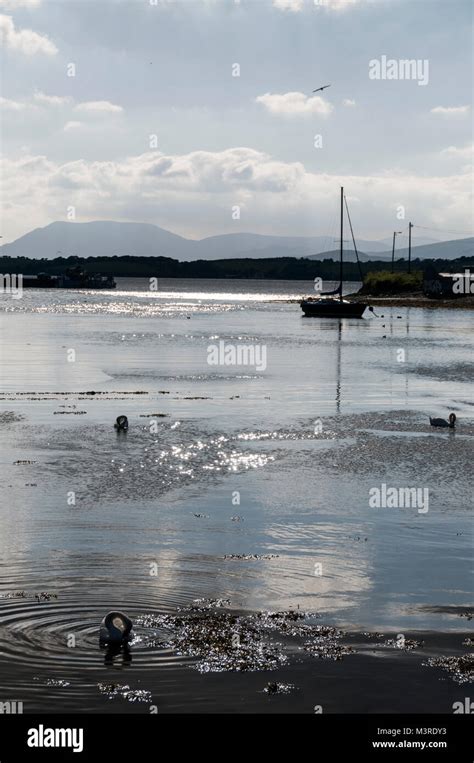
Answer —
284 268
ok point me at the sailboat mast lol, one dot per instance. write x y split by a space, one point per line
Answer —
342 232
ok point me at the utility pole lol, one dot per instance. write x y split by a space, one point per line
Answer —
410 226
395 234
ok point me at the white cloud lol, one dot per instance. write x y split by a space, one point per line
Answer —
348 102
41 104
11 5
98 107
72 126
289 5
8 105
43 100
194 193
24 40
298 5
52 100
464 152
450 111
295 104
338 5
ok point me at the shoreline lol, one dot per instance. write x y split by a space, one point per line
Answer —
415 300
405 300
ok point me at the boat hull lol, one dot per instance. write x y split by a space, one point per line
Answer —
332 308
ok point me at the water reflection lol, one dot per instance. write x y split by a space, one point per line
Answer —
165 497
116 654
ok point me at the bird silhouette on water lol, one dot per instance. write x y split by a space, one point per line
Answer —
115 628
451 423
121 424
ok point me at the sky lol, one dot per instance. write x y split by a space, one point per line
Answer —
199 115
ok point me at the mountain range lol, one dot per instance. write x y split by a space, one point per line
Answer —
108 238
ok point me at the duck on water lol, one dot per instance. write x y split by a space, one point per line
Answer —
451 423
121 424
115 628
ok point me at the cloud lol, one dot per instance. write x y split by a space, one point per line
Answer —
25 40
295 104
450 111
11 5
289 5
338 5
98 107
464 152
193 194
52 100
348 102
298 5
41 104
72 126
8 105
44 101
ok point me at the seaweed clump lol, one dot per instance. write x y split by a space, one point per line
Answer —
461 669
273 687
248 557
407 644
111 691
228 641
221 641
325 645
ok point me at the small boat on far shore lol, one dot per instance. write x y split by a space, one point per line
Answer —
73 278
330 304
332 308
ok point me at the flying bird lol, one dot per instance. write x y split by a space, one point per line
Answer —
321 88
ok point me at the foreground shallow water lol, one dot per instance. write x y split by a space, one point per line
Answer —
250 486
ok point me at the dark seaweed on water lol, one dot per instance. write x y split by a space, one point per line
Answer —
325 643
407 644
461 669
273 687
228 641
111 691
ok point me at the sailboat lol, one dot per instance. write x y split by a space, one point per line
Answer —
327 304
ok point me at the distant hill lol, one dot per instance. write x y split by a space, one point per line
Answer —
349 255
108 238
255 245
420 241
447 250
96 239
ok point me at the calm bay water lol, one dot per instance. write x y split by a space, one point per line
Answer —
276 462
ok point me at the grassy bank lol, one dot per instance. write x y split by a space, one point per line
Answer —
385 283
404 290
